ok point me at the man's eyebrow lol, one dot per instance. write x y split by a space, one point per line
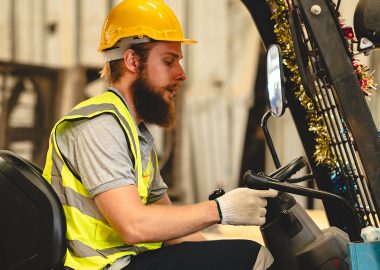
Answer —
174 55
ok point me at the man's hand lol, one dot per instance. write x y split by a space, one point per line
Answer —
244 206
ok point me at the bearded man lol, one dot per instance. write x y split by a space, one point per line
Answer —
102 163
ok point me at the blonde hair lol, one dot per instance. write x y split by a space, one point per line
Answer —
112 71
105 73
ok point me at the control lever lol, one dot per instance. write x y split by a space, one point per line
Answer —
255 181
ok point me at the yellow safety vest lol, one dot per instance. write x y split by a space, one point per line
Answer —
92 242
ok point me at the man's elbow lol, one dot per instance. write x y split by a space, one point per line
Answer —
133 235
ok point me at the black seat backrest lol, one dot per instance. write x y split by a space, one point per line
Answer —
32 221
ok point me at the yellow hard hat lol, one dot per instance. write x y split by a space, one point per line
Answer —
141 18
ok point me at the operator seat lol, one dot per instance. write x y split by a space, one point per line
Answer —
32 221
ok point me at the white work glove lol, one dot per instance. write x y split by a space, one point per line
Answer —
244 206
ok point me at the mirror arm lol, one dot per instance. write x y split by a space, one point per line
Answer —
268 139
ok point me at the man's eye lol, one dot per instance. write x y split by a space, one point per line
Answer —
169 62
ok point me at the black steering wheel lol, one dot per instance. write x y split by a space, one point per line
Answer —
286 171
260 181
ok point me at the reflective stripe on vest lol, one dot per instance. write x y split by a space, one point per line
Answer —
92 242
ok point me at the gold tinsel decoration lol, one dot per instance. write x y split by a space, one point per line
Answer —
316 124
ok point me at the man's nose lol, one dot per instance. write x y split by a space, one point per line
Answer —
181 75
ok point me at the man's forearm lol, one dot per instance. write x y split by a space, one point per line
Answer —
138 223
198 236
181 222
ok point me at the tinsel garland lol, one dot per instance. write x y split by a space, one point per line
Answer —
316 124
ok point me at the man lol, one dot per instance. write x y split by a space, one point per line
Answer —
102 163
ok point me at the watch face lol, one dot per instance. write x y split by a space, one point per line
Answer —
275 81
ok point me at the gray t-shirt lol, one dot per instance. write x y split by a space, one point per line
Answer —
98 151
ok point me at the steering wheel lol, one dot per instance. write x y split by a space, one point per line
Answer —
259 181
286 171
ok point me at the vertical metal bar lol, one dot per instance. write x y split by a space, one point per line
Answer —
44 30
110 5
13 29
337 5
32 25
3 108
187 31
78 29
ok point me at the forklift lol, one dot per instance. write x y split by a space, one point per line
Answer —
319 84
33 226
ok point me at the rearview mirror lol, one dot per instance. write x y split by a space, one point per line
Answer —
275 81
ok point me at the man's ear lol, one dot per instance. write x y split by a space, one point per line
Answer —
131 61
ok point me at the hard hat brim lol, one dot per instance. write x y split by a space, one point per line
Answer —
185 41
189 41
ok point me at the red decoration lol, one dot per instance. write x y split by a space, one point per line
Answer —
365 78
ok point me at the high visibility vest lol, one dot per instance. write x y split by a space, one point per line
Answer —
92 242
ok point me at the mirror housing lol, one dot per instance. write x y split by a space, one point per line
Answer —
275 81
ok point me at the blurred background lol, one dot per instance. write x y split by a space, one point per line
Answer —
49 62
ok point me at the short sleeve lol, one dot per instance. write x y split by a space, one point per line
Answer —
158 188
99 152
